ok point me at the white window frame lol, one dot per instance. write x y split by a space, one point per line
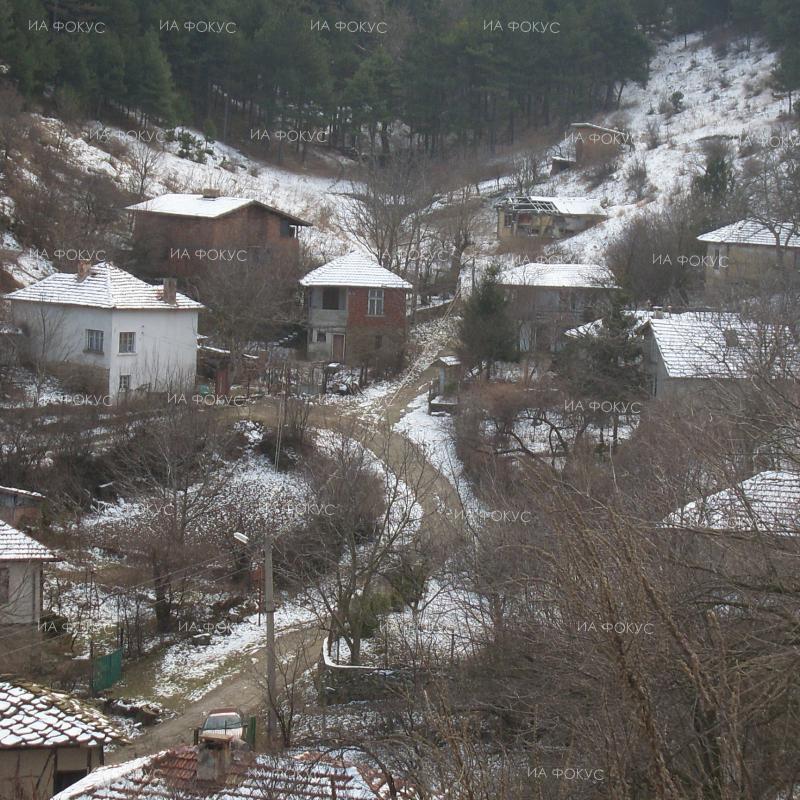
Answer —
375 301
94 336
132 341
124 383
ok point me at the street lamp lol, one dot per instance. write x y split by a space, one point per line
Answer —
269 614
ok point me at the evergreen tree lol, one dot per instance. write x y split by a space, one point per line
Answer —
487 332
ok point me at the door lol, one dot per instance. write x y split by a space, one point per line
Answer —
338 347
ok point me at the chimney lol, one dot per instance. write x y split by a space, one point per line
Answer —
213 757
169 294
209 193
658 312
84 268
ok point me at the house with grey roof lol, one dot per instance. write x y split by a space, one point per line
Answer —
355 311
108 333
721 528
548 299
689 352
546 217
48 740
748 251
22 559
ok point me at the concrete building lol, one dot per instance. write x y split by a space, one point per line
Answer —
355 311
105 332
21 568
747 252
548 299
546 217
181 235
48 740
686 354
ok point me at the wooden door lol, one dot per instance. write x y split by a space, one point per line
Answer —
338 347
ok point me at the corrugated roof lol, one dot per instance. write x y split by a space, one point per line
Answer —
558 276
106 286
196 205
539 204
354 269
767 502
697 344
751 232
34 716
18 546
250 776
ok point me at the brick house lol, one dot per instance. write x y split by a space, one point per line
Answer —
180 235
20 507
355 312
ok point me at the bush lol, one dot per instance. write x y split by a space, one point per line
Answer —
600 173
636 179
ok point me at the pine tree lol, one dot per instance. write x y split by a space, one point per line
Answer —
487 332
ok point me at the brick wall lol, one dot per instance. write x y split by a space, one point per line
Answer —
362 330
251 228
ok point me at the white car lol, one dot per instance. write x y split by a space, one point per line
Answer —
224 722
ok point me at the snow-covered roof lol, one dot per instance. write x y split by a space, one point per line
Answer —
704 344
449 361
593 127
18 546
23 492
748 231
9 330
354 269
198 205
767 502
593 328
538 204
172 773
34 716
106 286
558 276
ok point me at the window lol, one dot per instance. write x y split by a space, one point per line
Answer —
508 219
321 337
375 306
124 383
94 341
4 591
127 342
287 229
330 298
378 342
65 778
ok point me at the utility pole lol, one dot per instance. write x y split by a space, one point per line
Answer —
269 613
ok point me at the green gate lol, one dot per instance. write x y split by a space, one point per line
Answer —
106 670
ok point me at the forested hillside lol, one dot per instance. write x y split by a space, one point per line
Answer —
441 73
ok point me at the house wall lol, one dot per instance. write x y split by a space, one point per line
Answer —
546 226
166 349
592 145
18 510
251 228
29 773
544 313
166 344
24 592
744 263
359 328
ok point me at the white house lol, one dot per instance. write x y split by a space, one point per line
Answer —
109 332
21 561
